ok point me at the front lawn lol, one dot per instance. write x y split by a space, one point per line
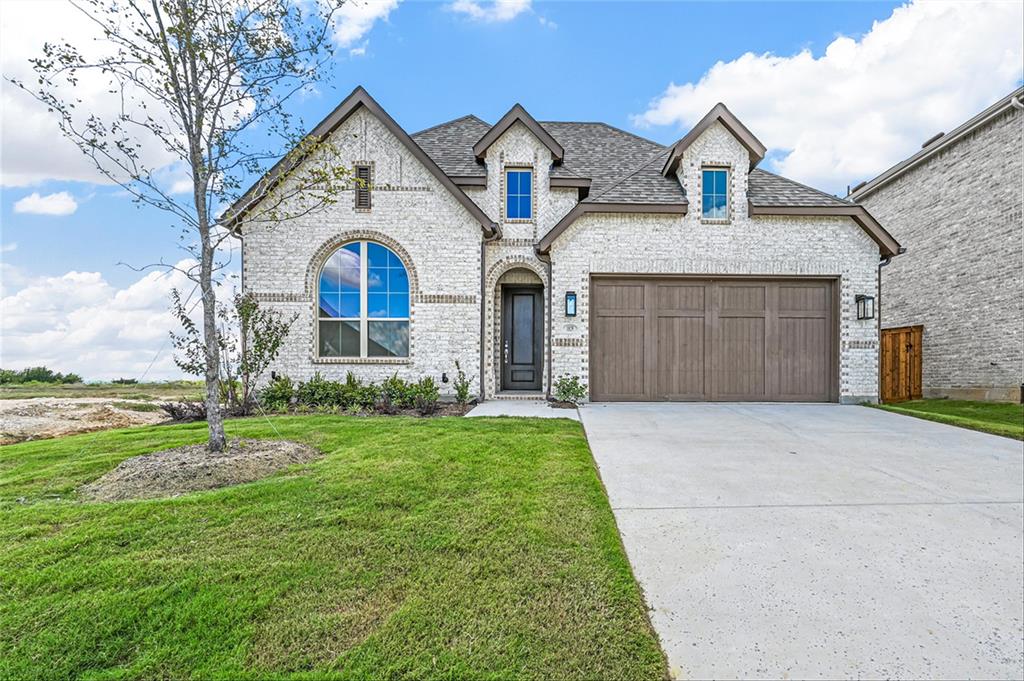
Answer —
417 548
998 418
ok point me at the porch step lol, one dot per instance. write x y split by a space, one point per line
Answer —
528 395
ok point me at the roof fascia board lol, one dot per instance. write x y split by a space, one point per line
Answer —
720 114
950 138
581 209
518 113
358 98
887 244
576 182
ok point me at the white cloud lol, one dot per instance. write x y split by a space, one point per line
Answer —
79 322
59 203
547 23
495 11
27 127
359 51
356 17
9 248
865 103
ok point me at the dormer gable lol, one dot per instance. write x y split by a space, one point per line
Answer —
718 114
518 114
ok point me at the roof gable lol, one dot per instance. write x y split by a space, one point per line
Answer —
718 114
357 99
518 113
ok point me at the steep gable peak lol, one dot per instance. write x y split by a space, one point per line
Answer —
518 114
718 114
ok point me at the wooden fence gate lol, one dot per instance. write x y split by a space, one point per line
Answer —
901 363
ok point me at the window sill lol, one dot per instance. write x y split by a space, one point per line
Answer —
709 221
362 360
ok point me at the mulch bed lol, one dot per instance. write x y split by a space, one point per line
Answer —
172 472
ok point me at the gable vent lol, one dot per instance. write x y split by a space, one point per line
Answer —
363 187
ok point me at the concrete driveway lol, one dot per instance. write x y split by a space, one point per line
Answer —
819 541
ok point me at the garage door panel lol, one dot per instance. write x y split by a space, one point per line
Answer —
739 358
803 368
620 374
684 298
741 298
665 338
680 369
619 297
804 298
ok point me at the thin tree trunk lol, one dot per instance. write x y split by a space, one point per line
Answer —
214 418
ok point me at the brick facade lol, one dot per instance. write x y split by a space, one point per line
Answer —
959 214
451 264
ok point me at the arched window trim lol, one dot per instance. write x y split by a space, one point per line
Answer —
364 317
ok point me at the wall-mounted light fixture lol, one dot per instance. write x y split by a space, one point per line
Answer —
570 303
865 306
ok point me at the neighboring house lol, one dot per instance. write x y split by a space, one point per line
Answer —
527 251
957 207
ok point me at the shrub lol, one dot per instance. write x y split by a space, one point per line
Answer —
461 385
278 394
125 381
570 389
398 392
320 392
427 396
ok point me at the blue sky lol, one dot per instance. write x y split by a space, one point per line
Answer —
648 67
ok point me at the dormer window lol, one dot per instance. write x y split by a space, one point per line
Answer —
519 194
714 190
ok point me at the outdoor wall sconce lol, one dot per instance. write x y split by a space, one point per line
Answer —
570 303
865 307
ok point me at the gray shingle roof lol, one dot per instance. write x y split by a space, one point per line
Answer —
769 189
622 167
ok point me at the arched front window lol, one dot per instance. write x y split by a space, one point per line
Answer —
363 300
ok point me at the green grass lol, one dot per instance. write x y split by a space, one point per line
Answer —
998 418
417 548
169 390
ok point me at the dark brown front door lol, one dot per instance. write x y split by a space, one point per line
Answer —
521 337
712 339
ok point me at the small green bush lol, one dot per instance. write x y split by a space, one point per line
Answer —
37 375
427 396
461 385
570 389
320 392
278 394
398 392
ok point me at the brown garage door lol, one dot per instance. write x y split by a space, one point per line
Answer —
712 339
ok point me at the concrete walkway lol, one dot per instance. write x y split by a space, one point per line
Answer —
819 541
524 408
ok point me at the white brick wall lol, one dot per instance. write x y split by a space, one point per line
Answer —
770 246
413 213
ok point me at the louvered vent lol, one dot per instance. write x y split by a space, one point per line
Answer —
363 187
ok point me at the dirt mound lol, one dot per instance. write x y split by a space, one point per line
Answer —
45 417
191 468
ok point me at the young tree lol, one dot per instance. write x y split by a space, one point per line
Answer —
249 338
203 84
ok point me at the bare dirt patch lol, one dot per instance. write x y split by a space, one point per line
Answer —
192 468
45 417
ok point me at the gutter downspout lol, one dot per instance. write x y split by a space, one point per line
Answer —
546 259
494 236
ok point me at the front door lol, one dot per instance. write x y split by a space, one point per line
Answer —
522 342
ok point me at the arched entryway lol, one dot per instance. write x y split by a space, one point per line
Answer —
517 324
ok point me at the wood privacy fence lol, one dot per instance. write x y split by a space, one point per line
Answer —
901 363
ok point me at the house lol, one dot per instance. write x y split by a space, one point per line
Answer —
956 204
528 250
